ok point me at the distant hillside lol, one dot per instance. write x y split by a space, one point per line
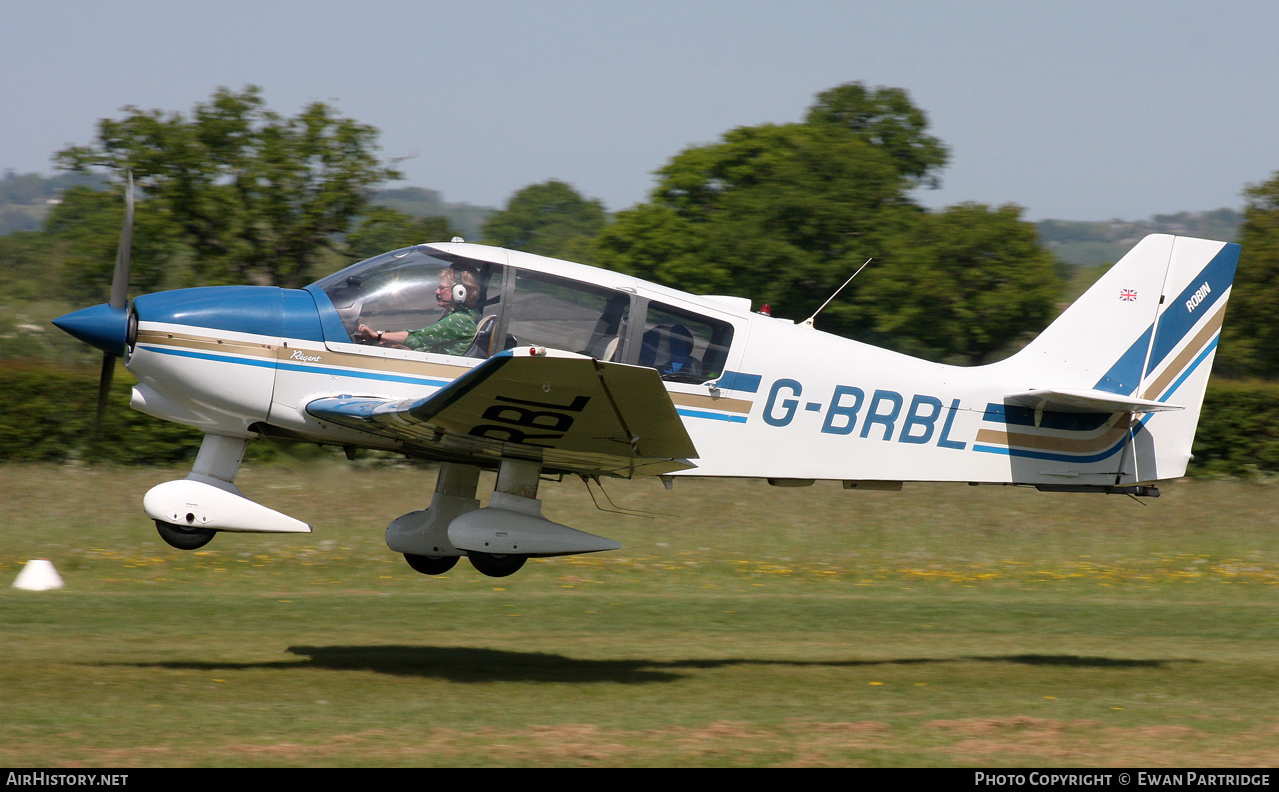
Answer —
420 202
25 198
1093 243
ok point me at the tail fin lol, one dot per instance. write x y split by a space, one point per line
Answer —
1146 331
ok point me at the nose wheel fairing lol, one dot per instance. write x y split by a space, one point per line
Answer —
201 502
207 500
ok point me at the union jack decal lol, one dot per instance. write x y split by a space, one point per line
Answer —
1128 295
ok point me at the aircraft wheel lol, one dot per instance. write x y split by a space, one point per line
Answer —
184 537
496 565
431 565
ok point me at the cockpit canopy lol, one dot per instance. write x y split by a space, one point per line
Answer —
517 306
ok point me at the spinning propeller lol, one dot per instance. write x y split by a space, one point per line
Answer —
110 326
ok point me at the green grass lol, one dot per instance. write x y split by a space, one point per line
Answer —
943 625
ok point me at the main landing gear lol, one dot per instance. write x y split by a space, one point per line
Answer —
497 539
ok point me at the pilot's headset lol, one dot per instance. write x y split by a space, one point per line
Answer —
460 291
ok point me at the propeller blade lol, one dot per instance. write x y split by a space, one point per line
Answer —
120 279
119 296
104 392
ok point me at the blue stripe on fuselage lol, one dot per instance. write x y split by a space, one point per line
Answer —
713 416
1027 453
737 381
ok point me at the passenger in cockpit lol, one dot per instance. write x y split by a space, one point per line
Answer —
669 349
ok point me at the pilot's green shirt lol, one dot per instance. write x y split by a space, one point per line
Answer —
451 335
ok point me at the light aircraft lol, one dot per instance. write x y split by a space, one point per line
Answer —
561 368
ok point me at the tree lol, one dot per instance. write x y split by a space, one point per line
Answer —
84 230
968 281
1250 335
254 196
885 118
550 219
659 244
24 267
783 214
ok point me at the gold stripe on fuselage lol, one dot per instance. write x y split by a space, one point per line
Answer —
373 362
1072 445
710 402
205 343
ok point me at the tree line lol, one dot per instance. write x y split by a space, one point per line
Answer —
234 192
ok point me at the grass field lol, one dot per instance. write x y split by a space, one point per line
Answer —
942 625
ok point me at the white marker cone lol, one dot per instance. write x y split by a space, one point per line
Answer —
38 575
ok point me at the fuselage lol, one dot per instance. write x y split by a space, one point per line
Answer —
759 396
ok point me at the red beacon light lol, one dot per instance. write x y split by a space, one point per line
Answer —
766 309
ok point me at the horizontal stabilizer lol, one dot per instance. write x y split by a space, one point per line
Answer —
1085 401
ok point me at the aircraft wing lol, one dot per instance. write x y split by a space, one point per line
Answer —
570 412
1085 401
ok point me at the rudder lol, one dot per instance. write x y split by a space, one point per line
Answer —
1200 275
1148 328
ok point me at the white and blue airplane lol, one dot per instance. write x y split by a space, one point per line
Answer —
483 358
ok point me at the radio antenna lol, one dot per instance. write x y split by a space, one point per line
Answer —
809 321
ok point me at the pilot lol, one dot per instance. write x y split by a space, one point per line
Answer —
452 333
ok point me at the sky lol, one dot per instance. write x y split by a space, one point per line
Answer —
1073 110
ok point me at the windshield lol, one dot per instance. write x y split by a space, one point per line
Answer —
397 291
